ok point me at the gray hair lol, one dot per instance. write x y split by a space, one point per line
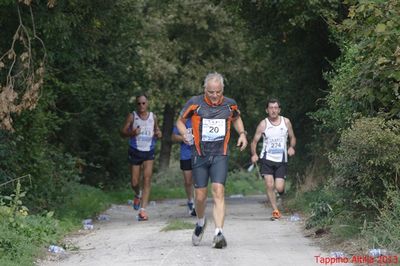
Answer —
215 76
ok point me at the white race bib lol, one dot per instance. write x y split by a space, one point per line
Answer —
213 129
276 145
146 134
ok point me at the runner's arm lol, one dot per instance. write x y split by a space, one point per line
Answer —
292 138
157 131
126 129
176 137
239 127
257 135
181 126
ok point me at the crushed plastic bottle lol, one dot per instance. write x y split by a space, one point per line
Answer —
103 217
56 249
87 221
376 252
251 167
337 254
87 224
295 218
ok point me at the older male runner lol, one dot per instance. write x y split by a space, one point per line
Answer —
142 129
212 115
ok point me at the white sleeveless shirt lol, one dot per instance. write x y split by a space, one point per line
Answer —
275 141
145 141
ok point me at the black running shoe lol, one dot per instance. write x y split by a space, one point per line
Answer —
219 241
198 233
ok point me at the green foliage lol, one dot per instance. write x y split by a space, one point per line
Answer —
82 201
366 77
243 182
21 235
373 28
323 205
385 233
367 160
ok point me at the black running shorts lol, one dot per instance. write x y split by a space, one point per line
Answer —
209 166
137 157
277 170
186 165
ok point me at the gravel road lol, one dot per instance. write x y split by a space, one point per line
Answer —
253 239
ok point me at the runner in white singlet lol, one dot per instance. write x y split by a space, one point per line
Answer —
275 130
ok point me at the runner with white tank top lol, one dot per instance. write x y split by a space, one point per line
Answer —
275 130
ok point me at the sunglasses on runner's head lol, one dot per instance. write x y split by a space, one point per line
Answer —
143 103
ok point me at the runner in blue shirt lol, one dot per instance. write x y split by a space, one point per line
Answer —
186 164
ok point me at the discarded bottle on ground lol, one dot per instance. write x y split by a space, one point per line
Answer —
87 224
56 249
376 252
103 217
294 218
87 221
337 254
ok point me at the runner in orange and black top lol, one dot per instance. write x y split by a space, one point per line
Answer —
212 115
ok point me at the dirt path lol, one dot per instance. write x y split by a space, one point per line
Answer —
252 239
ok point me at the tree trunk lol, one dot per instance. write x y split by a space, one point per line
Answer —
166 143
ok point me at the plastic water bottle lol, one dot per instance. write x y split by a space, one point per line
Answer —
56 249
189 134
87 221
251 167
376 252
103 217
87 224
337 254
294 218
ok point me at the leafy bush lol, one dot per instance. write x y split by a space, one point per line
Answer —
22 235
243 182
385 233
367 160
82 201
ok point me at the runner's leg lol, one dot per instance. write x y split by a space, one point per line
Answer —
218 191
147 173
269 187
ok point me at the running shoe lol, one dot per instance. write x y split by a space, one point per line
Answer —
193 212
191 209
198 233
276 214
219 241
136 203
142 216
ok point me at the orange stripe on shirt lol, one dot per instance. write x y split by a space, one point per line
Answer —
196 120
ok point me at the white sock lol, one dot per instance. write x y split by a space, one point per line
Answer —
201 221
217 230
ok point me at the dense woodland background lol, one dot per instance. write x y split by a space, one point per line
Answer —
69 72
